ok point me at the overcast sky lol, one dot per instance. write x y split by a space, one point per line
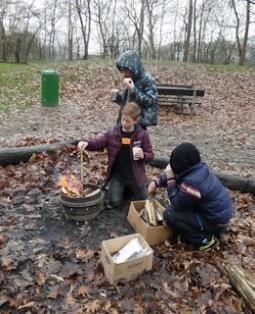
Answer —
225 12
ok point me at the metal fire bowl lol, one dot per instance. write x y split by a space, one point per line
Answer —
83 208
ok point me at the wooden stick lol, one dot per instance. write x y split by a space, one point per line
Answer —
243 282
82 172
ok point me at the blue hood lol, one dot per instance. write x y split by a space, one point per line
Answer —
131 60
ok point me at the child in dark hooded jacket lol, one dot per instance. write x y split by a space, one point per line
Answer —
139 87
200 208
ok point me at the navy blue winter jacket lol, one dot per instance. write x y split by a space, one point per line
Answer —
145 92
199 189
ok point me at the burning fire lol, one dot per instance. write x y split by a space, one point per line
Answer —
71 186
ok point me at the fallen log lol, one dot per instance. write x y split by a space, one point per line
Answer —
230 181
14 155
243 282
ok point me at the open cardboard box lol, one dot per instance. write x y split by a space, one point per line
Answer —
127 270
152 234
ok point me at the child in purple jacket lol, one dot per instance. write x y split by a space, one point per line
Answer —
129 148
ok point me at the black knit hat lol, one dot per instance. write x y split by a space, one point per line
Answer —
183 157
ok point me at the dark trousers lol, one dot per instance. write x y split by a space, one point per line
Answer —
117 187
192 227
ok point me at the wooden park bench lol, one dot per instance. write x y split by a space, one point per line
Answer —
179 95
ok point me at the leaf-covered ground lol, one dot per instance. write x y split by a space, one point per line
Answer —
51 265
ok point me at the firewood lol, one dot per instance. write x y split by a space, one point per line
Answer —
144 215
159 215
243 282
151 213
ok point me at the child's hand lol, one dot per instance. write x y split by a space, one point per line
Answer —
152 188
138 153
82 145
169 172
128 83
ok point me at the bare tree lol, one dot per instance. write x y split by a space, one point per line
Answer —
70 33
162 16
3 44
135 14
84 12
103 10
242 47
188 32
52 33
152 7
195 31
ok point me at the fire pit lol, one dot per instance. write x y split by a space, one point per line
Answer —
83 208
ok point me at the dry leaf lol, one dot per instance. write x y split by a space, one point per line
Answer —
54 292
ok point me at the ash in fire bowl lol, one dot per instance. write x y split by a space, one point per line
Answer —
80 202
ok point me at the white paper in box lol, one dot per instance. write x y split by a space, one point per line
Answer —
132 249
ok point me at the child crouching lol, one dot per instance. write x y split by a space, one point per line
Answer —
200 208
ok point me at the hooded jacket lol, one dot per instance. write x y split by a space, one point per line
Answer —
145 92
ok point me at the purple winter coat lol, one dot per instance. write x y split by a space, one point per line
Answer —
112 141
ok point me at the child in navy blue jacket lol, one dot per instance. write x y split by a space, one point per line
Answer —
200 208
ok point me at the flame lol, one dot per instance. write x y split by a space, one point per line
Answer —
71 186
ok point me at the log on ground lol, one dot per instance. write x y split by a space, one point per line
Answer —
243 282
14 155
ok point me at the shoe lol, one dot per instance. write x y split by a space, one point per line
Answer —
207 245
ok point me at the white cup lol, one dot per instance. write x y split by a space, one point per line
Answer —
115 93
135 151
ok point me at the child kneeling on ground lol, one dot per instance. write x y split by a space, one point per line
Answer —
129 148
200 208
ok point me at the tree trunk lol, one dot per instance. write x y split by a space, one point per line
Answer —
189 27
102 29
70 32
30 43
199 52
237 30
3 40
85 27
151 29
230 181
17 50
243 282
113 50
161 28
195 31
246 33
141 29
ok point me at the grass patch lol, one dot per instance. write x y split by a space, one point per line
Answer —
229 68
19 86
11 67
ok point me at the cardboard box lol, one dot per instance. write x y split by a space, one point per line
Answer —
127 270
153 235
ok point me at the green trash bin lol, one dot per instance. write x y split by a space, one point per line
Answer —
50 88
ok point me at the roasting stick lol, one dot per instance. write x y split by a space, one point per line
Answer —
82 170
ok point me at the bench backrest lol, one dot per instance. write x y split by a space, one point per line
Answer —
179 91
